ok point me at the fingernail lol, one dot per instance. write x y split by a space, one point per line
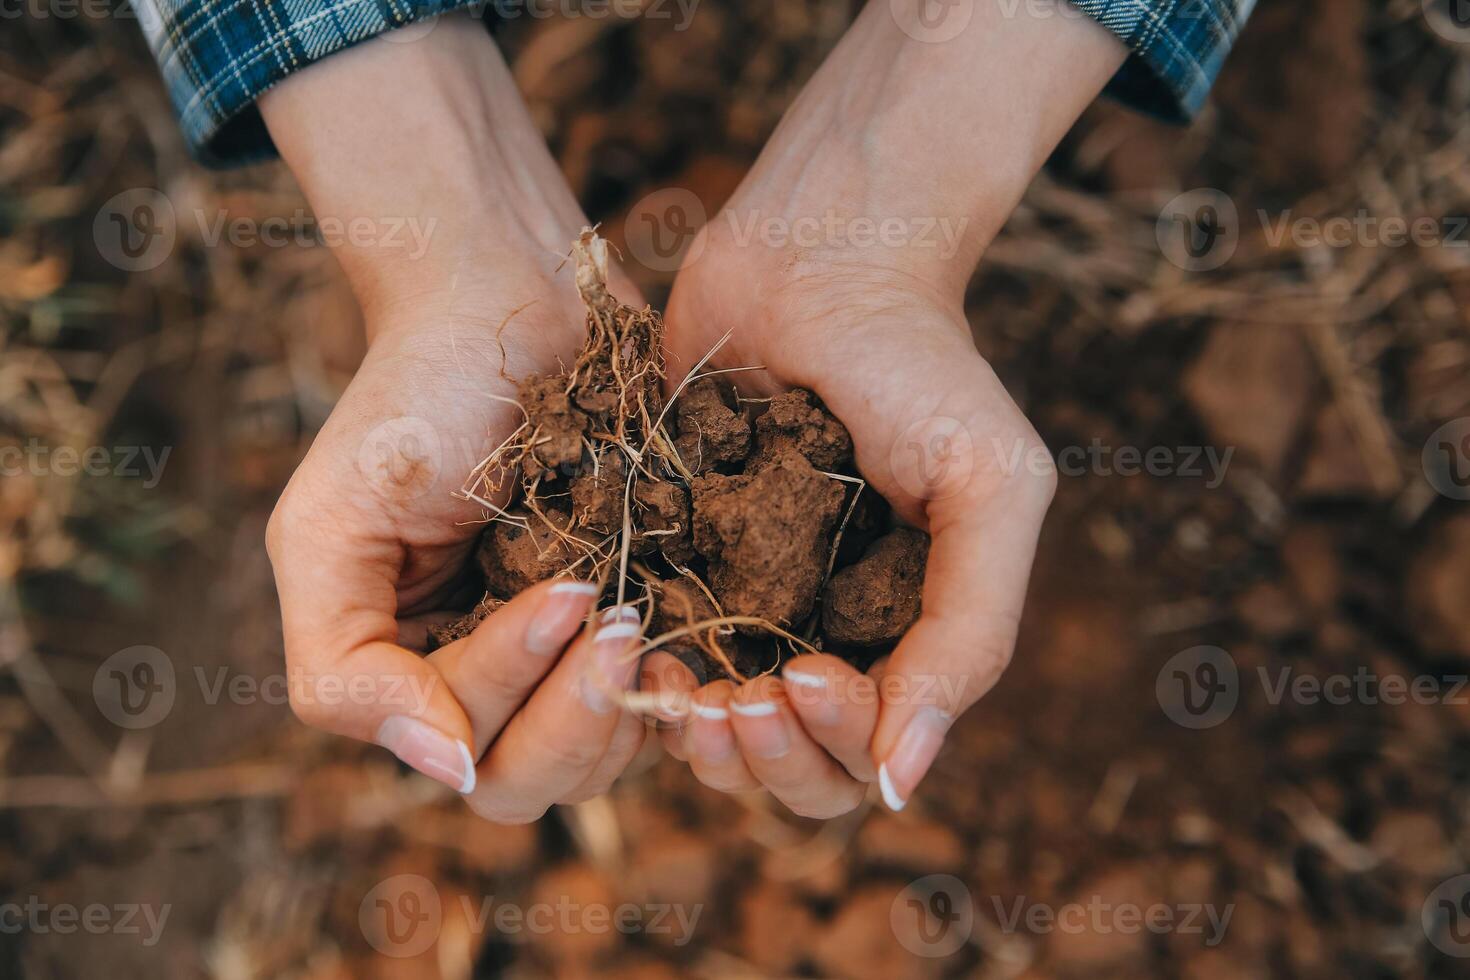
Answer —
809 691
430 751
709 712
912 755
556 622
624 614
611 669
804 680
765 735
712 743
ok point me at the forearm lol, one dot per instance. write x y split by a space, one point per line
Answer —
431 134
893 127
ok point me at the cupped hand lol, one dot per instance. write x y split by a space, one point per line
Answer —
936 435
368 541
369 544
840 265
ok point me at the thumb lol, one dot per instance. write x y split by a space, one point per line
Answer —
983 540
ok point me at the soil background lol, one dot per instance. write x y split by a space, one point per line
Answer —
1324 549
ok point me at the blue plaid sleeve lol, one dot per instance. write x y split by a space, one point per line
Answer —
1177 49
218 56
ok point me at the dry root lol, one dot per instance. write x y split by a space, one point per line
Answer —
602 492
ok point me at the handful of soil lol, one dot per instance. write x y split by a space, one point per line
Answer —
739 526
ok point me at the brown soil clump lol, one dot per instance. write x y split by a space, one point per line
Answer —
514 557
445 634
560 427
796 422
727 517
764 536
876 599
711 431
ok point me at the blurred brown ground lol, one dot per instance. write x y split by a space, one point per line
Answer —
1324 548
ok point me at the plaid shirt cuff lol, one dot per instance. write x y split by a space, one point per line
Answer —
218 56
1177 49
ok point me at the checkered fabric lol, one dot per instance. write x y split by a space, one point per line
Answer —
218 56
1177 49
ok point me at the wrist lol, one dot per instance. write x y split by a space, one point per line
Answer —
909 153
423 156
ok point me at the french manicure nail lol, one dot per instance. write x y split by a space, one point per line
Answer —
710 712
767 739
753 709
555 623
809 692
712 743
610 669
420 745
911 756
804 680
620 614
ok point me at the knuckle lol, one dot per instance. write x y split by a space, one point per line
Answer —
825 807
493 808
310 711
492 685
722 782
574 754
282 525
589 791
